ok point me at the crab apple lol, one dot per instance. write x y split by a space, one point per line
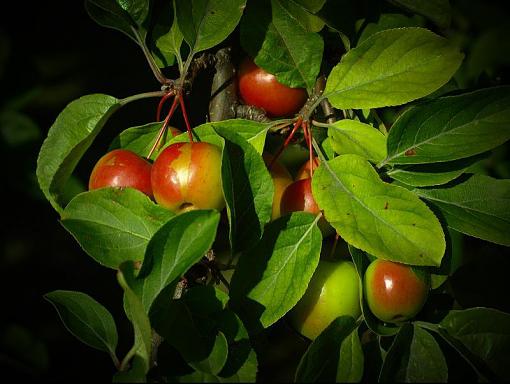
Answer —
281 180
187 176
298 197
261 89
395 292
304 172
333 291
122 168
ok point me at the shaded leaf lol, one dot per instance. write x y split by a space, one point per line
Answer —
478 206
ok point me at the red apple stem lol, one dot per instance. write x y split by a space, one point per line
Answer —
297 124
164 126
186 120
165 97
306 127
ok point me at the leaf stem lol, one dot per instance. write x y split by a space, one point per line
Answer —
148 56
125 361
141 96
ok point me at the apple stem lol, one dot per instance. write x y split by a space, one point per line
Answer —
333 248
297 124
164 127
161 102
309 138
186 120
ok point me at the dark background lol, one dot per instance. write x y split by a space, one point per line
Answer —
52 53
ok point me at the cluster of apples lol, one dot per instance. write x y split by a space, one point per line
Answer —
180 179
187 176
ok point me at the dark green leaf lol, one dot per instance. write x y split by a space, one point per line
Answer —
86 319
166 35
485 332
272 276
109 13
478 206
438 11
172 250
450 128
142 346
330 356
213 363
282 46
68 138
114 225
392 67
303 11
414 356
18 129
427 175
385 220
206 23
248 190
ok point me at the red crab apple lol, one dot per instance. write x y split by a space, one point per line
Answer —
304 172
298 197
122 168
395 292
187 176
261 89
281 180
333 291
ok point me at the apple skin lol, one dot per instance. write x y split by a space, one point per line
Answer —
122 168
281 180
395 292
298 197
187 176
304 171
333 291
261 89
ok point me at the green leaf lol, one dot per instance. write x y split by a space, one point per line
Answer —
333 356
438 11
485 332
354 137
414 356
172 250
86 319
142 346
451 128
248 190
427 175
18 129
167 36
387 221
252 131
303 12
213 363
206 23
272 276
139 139
392 67
68 138
351 363
123 15
114 225
282 46
478 206
390 21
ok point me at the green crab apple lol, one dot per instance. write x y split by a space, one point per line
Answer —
187 176
333 291
395 292
122 168
261 89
